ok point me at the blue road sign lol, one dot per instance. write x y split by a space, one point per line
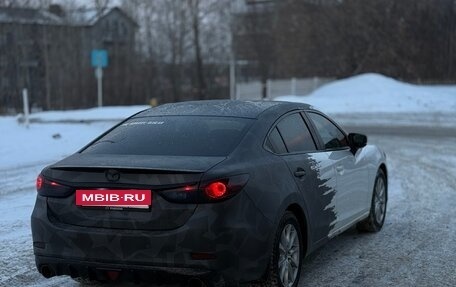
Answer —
99 58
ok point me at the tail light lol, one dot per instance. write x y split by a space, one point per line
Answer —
39 182
46 187
216 189
206 192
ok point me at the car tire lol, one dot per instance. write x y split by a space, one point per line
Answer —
374 222
289 259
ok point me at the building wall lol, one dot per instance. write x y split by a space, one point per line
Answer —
53 63
21 63
115 33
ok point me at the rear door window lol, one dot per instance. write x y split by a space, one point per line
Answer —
295 134
275 143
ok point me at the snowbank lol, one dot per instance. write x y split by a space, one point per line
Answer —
64 133
88 115
374 93
43 143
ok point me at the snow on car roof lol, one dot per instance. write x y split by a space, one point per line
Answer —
228 108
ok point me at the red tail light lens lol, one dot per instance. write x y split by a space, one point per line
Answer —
182 194
39 182
207 191
50 188
216 189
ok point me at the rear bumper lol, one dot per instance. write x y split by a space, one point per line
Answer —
233 234
52 266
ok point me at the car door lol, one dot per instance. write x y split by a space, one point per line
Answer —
352 177
310 168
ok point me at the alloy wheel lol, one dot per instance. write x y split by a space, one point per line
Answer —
289 255
380 200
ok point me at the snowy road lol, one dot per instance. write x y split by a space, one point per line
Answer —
417 246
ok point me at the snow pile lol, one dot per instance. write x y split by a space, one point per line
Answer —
88 115
64 133
43 143
374 93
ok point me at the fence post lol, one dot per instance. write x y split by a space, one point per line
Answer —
26 107
268 89
293 86
233 95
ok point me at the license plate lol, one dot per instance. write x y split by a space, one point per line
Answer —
122 198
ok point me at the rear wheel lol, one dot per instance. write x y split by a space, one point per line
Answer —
378 206
286 260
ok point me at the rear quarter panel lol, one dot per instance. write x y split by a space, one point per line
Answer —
271 187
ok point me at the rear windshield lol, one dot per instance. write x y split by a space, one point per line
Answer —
173 135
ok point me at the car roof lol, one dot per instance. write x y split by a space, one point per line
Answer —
223 108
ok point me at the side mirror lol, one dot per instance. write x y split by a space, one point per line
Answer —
357 140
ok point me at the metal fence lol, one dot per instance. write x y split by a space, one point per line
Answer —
275 88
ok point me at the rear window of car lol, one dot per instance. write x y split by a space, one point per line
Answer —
173 136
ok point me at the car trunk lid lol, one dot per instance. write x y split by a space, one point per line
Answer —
132 172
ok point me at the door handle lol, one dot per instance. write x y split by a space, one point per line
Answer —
340 169
300 172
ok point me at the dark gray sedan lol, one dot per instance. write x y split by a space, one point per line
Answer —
218 191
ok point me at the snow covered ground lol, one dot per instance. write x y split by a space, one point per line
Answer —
374 93
69 131
416 247
373 99
23 153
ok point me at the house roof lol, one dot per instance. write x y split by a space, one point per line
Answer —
28 16
85 17
78 17
88 17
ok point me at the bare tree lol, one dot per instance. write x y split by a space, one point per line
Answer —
101 5
187 43
195 11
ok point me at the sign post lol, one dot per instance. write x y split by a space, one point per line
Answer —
99 76
26 107
99 61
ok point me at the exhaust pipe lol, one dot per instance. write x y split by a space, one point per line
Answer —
47 271
196 282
